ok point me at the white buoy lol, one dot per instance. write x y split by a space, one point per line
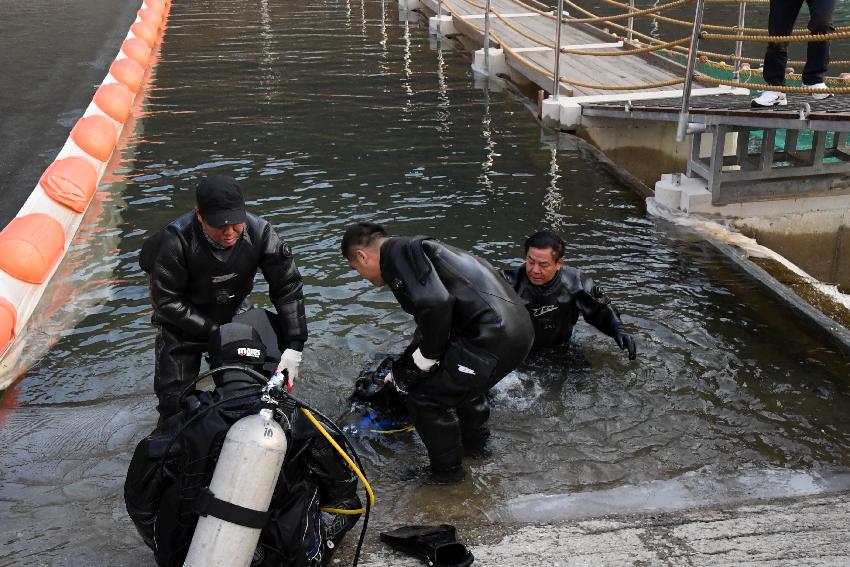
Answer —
245 475
441 26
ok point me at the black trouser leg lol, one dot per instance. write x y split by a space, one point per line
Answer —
472 417
817 52
440 432
177 363
783 14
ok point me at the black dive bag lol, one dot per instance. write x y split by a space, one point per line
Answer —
172 467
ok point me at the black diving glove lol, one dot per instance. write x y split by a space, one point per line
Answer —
407 375
626 341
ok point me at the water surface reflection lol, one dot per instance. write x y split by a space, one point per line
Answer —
331 112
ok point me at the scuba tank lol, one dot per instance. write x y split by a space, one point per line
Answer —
236 504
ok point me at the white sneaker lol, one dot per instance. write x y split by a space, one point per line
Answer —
820 96
769 98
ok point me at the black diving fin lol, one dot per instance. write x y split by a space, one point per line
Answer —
437 546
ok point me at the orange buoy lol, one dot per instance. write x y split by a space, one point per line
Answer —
71 181
128 72
150 17
138 50
30 246
144 31
158 6
115 100
8 320
95 135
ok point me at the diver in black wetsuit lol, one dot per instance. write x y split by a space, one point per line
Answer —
555 295
472 330
202 269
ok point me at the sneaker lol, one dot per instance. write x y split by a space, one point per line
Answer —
769 98
820 96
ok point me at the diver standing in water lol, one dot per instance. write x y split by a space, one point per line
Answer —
472 330
555 295
202 269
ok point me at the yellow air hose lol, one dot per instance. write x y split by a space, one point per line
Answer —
351 464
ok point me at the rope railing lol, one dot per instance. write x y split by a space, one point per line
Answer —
595 52
685 23
647 11
777 88
797 38
740 34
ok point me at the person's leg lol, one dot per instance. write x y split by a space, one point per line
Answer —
177 363
817 52
780 21
472 417
440 432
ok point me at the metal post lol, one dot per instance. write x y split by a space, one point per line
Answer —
742 10
439 10
631 24
487 37
557 86
689 73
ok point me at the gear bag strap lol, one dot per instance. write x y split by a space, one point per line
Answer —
206 504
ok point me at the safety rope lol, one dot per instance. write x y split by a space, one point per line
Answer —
688 24
623 87
594 52
682 50
648 49
563 79
471 3
646 11
777 88
807 38
657 45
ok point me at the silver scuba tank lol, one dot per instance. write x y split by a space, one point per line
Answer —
245 477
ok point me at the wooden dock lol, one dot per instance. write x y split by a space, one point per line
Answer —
526 32
605 99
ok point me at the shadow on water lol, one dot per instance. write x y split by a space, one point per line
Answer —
335 111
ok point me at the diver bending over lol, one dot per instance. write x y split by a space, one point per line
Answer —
472 330
555 295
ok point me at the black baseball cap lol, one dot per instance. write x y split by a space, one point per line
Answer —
220 201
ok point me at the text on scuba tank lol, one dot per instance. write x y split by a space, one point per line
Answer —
269 432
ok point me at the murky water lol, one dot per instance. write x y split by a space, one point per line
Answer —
331 112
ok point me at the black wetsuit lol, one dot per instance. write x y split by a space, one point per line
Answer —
471 321
555 307
196 286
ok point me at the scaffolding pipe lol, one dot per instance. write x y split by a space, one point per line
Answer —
487 37
631 24
682 127
742 10
556 91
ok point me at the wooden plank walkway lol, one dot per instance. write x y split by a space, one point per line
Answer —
536 61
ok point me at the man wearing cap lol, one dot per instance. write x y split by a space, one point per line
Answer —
202 269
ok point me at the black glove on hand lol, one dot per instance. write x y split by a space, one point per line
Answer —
407 375
625 341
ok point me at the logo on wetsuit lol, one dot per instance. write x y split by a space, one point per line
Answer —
544 310
224 278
